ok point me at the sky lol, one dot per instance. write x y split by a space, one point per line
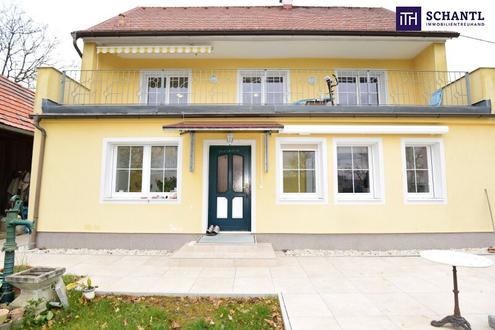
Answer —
65 16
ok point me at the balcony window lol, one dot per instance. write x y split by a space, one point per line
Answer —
166 87
361 87
263 87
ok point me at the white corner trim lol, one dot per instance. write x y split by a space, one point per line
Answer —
364 129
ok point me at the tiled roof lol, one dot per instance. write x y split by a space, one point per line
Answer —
267 18
16 104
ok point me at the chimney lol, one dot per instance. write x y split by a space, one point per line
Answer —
121 19
286 4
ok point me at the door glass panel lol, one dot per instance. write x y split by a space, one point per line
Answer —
179 90
251 90
155 93
274 90
238 168
237 212
221 208
222 173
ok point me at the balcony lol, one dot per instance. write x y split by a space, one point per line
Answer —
265 87
290 90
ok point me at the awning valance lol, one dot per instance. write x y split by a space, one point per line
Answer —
155 49
225 126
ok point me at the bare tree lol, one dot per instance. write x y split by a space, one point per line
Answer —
24 46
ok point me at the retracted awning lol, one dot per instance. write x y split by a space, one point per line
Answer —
155 49
225 126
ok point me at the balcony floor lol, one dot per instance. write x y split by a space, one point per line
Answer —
52 109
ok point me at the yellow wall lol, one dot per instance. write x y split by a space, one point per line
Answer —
483 84
70 195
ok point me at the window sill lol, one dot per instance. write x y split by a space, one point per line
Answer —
117 200
301 200
359 200
411 200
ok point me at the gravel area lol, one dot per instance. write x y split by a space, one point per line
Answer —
115 252
356 253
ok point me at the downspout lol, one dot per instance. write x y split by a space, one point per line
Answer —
39 173
74 43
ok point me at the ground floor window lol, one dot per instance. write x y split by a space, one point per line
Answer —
423 170
301 169
358 170
142 170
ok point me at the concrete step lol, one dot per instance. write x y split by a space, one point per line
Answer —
228 238
224 255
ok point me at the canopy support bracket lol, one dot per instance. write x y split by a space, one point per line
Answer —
265 147
192 141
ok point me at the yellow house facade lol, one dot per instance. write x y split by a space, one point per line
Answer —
306 135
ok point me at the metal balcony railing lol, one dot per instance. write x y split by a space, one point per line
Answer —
265 87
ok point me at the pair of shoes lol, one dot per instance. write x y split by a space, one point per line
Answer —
213 230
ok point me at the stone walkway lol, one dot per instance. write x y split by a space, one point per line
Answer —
319 292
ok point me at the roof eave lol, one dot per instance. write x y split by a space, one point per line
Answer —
156 33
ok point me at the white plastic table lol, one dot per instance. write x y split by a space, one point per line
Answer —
455 259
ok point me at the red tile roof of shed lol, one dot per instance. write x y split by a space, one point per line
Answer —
16 104
266 18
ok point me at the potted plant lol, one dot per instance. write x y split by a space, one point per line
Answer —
88 289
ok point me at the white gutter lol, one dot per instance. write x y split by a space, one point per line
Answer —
364 129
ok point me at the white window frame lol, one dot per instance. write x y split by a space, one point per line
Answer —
436 171
167 73
109 163
375 158
263 73
369 73
319 145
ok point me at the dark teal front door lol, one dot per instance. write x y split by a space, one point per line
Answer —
229 198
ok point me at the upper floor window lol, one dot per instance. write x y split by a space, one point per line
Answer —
263 86
361 87
166 87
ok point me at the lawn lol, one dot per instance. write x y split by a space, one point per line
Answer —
126 312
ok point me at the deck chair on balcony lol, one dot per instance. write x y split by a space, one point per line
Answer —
436 98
